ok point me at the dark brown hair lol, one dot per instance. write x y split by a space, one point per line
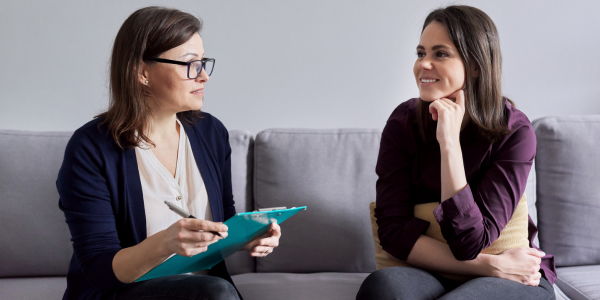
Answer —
476 39
145 35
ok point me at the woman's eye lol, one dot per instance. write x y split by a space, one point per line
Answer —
441 54
421 54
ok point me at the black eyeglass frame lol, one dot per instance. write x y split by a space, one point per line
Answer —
189 64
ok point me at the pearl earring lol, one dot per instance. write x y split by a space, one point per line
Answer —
146 82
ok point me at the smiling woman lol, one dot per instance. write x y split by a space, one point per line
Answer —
152 144
452 167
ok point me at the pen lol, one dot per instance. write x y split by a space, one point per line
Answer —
185 214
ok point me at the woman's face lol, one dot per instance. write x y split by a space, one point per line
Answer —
439 70
169 84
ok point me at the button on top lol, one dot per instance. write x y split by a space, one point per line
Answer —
178 198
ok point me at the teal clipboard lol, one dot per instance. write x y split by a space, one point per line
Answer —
243 228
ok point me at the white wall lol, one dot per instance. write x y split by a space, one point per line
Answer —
309 63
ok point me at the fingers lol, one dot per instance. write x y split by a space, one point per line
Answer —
534 280
189 252
202 225
459 97
275 229
261 251
265 246
535 252
434 109
195 237
440 106
270 242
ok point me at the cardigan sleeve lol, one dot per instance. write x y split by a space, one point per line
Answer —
472 219
398 230
86 202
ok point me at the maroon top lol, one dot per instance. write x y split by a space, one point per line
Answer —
409 174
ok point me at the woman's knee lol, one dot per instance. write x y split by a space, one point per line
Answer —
399 283
219 289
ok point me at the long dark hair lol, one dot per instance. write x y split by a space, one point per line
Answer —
145 35
476 39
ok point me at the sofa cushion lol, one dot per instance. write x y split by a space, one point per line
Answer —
276 286
42 288
34 235
242 157
568 193
579 283
332 172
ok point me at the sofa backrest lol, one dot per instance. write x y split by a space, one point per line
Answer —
332 172
35 238
568 188
242 162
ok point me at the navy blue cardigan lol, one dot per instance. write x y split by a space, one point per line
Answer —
101 197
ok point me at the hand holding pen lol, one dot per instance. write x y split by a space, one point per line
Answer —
190 236
185 214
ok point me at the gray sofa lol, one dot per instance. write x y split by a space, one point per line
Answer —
325 251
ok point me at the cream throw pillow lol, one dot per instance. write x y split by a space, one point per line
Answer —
514 235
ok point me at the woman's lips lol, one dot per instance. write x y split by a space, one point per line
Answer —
427 81
198 92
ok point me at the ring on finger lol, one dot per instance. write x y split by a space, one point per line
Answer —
268 250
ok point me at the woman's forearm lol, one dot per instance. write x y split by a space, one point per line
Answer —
431 254
131 263
452 170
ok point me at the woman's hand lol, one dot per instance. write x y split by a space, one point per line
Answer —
265 244
519 264
188 237
449 115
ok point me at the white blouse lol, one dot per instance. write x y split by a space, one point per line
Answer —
186 189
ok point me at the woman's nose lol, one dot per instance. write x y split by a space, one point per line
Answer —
203 76
425 64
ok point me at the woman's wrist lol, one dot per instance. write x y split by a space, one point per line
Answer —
449 147
158 244
487 265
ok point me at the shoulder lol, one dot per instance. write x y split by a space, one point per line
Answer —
518 123
404 112
92 134
402 119
208 125
517 120
522 137
92 141
210 122
211 130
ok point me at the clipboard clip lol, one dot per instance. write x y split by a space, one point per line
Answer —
270 209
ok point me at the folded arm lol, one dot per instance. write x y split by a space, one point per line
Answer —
473 217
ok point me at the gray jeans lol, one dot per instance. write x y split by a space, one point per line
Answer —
412 283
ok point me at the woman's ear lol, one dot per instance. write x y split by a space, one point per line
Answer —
143 73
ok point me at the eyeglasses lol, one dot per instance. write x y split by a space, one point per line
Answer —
194 67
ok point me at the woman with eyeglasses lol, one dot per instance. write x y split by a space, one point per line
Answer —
453 166
153 144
